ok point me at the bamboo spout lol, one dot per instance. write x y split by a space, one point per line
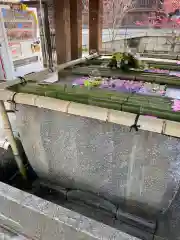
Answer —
76 61
11 139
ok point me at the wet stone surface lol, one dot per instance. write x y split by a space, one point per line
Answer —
169 222
7 234
136 168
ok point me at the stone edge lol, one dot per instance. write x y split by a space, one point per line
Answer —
33 209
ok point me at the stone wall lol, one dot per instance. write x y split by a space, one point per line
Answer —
159 44
146 44
140 168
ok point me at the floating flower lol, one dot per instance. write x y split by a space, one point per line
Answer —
176 105
121 85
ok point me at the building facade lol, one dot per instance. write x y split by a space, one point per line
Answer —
142 10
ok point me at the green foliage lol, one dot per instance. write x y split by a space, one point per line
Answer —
128 61
85 49
118 56
113 62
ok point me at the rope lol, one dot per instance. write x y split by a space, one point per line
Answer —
135 126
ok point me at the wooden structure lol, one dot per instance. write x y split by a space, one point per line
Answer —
68 28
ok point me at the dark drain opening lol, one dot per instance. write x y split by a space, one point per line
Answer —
9 171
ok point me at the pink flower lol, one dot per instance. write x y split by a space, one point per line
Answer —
176 105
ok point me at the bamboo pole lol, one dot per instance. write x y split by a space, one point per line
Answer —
39 76
11 139
170 128
76 61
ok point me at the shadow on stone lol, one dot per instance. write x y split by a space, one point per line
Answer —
168 223
124 218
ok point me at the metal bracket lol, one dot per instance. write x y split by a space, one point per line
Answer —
12 101
22 80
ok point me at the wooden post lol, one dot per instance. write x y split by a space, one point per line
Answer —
76 28
95 25
48 36
62 30
11 139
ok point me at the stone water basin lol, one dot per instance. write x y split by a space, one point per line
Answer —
124 86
